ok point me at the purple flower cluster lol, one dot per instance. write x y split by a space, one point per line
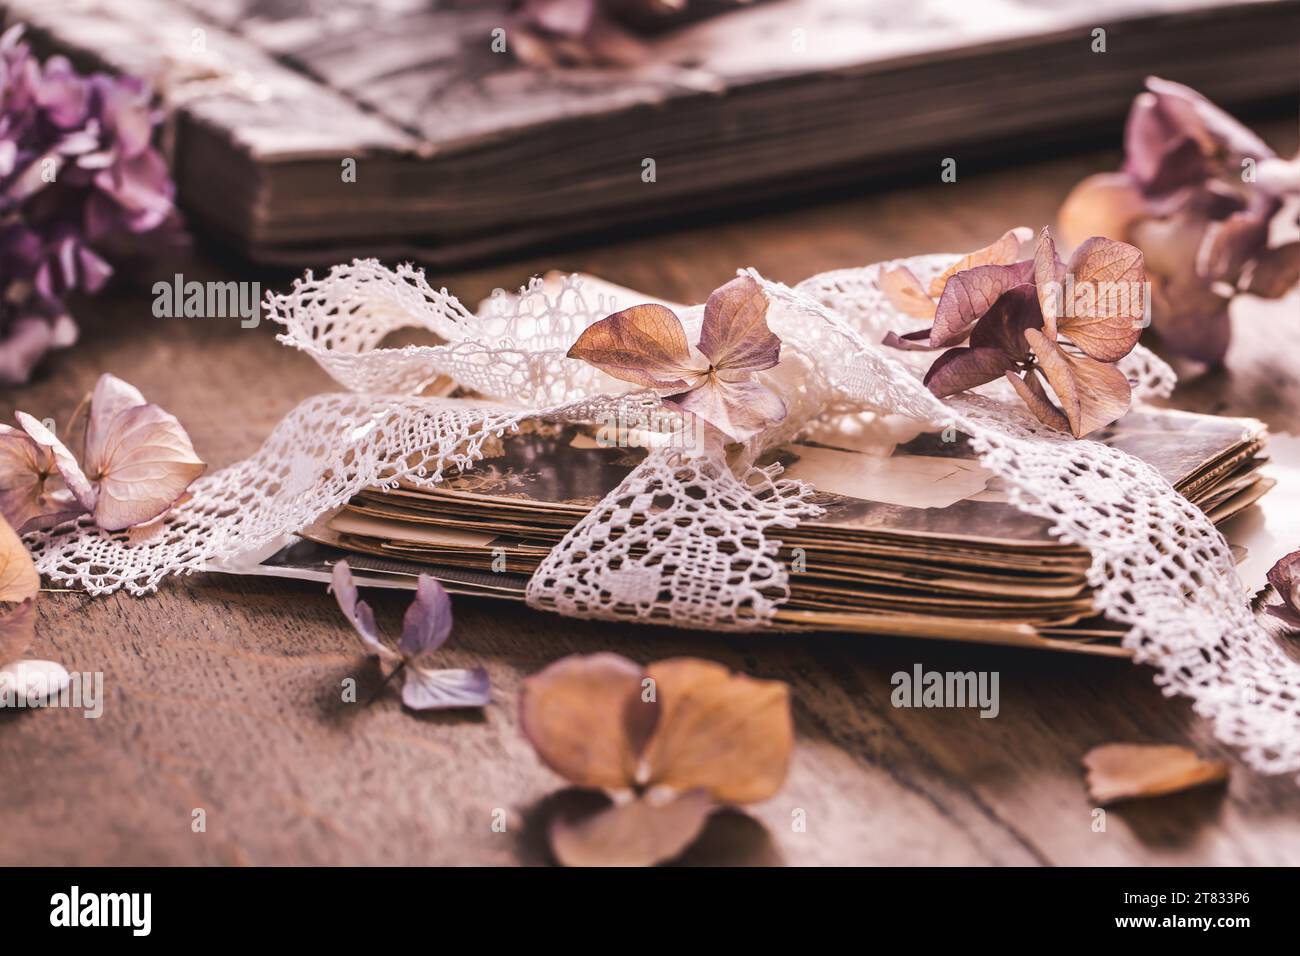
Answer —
79 180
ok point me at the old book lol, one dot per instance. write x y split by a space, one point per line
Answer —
305 133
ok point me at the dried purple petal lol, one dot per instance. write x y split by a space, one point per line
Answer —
432 689
427 623
425 628
358 612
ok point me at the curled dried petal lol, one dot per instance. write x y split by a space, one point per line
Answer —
1049 271
426 688
111 397
970 294
358 612
71 473
26 468
1285 579
1121 771
965 367
1031 391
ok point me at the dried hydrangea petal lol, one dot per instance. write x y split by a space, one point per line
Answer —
728 734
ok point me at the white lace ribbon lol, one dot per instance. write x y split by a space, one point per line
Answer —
701 552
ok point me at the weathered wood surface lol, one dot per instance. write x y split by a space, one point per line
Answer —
223 693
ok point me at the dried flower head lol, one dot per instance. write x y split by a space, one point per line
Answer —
425 629
670 743
716 381
1196 194
79 180
1040 323
138 462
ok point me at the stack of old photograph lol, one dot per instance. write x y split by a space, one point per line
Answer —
921 542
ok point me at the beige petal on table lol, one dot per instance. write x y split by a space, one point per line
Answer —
905 292
637 833
729 734
645 345
1004 251
1121 771
144 463
734 335
586 719
18 578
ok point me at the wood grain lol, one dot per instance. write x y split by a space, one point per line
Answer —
224 693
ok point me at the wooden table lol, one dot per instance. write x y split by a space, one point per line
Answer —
222 693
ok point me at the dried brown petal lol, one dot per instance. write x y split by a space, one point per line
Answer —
725 733
905 292
1004 251
1092 394
645 345
18 578
586 718
1112 275
19 583
1120 771
637 833
734 335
